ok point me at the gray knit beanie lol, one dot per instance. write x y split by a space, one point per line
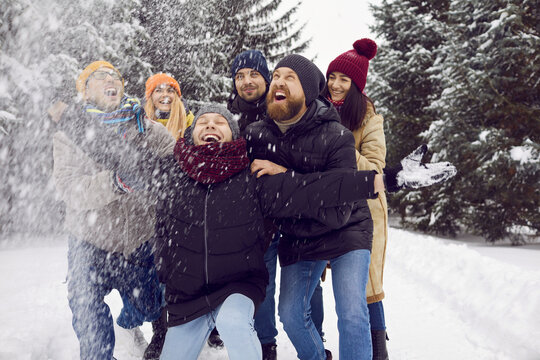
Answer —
311 78
221 110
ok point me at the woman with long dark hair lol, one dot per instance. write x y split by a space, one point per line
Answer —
346 79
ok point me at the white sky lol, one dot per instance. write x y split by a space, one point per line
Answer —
333 25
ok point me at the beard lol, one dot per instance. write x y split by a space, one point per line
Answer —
285 111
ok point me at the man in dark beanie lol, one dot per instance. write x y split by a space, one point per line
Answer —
302 132
250 76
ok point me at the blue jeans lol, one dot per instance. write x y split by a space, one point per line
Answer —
349 280
376 316
265 318
92 274
317 309
234 321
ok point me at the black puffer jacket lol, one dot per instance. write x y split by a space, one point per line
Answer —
210 242
249 112
317 143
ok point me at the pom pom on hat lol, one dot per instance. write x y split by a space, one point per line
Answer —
366 47
159 79
354 63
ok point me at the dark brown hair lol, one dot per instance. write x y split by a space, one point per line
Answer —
354 107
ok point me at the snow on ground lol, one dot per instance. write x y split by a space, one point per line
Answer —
444 300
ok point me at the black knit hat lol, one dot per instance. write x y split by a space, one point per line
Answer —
311 78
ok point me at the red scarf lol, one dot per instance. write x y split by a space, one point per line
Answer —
337 104
214 162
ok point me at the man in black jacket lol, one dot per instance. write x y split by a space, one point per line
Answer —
251 79
302 133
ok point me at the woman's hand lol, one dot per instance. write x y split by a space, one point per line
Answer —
265 167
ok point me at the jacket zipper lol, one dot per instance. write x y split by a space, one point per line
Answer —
206 242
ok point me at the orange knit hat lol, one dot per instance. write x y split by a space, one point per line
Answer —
83 77
158 79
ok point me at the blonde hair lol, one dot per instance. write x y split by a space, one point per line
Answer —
177 122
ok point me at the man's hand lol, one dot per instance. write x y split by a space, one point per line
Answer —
265 167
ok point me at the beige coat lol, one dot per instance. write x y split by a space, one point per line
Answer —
95 211
370 155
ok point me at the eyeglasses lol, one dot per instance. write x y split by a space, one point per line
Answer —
101 75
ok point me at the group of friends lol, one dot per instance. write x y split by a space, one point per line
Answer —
186 215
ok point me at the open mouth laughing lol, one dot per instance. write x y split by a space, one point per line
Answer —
111 91
211 138
279 95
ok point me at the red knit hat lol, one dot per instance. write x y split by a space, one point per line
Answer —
158 79
354 63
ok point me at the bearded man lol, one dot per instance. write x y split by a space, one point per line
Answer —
302 133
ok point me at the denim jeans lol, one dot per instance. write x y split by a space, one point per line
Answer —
265 318
234 321
92 274
317 309
376 316
349 280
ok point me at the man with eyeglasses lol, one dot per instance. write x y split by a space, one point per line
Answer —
109 226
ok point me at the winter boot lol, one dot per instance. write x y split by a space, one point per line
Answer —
159 329
269 351
214 340
328 354
378 341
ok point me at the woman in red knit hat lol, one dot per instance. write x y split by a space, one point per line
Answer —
346 79
164 104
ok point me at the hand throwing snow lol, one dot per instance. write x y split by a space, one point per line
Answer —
411 173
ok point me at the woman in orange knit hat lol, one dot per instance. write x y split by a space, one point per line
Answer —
346 78
164 104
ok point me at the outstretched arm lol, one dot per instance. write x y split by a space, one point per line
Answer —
321 196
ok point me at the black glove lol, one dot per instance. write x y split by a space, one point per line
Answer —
411 173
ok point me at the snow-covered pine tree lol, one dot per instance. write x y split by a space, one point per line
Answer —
489 115
400 84
197 40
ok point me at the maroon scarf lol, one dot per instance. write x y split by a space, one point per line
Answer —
212 163
337 104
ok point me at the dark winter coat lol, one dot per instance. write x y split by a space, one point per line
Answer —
317 143
210 242
249 112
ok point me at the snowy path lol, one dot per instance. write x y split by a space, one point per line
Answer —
445 300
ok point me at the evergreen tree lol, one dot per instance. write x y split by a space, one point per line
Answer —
464 76
489 111
401 86
197 40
